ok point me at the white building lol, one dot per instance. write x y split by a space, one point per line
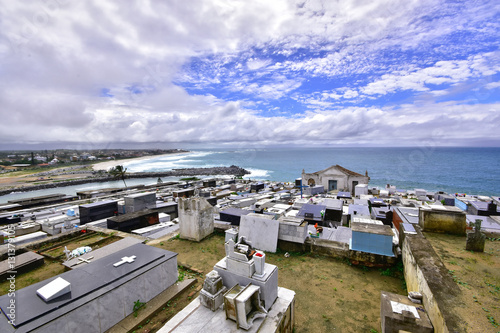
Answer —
335 178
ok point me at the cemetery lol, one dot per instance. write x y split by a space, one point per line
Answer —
260 258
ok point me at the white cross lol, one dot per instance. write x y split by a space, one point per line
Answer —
67 252
85 260
124 260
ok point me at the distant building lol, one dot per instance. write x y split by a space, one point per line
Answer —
335 178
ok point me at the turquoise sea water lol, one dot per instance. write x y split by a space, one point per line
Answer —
463 170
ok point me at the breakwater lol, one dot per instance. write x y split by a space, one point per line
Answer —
101 177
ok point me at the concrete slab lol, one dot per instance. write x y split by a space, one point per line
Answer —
261 230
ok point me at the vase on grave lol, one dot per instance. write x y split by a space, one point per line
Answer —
259 259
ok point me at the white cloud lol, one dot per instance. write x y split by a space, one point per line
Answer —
207 71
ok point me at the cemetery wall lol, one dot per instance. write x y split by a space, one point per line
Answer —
425 272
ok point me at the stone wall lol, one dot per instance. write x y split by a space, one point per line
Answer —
425 272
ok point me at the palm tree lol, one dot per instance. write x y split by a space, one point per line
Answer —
118 172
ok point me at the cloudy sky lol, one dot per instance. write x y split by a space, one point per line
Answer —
252 73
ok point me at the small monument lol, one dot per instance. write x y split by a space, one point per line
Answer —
244 265
476 240
212 294
196 218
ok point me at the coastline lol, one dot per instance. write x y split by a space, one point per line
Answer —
105 166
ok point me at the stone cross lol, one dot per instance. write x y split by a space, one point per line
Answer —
67 252
85 260
125 260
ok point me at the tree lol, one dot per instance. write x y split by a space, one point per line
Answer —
118 172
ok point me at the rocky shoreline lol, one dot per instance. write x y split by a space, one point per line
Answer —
101 177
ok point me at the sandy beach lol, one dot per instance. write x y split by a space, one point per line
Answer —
111 163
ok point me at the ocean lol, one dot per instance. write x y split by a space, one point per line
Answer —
462 170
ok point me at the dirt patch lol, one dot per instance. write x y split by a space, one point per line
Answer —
331 295
477 276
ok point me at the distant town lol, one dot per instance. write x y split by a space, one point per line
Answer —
13 160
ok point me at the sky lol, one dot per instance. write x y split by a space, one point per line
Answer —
99 74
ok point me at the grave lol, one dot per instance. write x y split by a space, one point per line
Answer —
257 187
483 208
169 208
376 202
314 190
383 214
233 215
22 228
312 213
436 218
196 218
243 311
140 201
21 263
242 266
99 223
360 189
212 294
398 314
344 195
58 224
261 230
358 210
209 183
476 239
372 238
333 210
102 252
183 193
404 215
102 293
292 230
157 230
131 221
490 225
28 238
97 211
